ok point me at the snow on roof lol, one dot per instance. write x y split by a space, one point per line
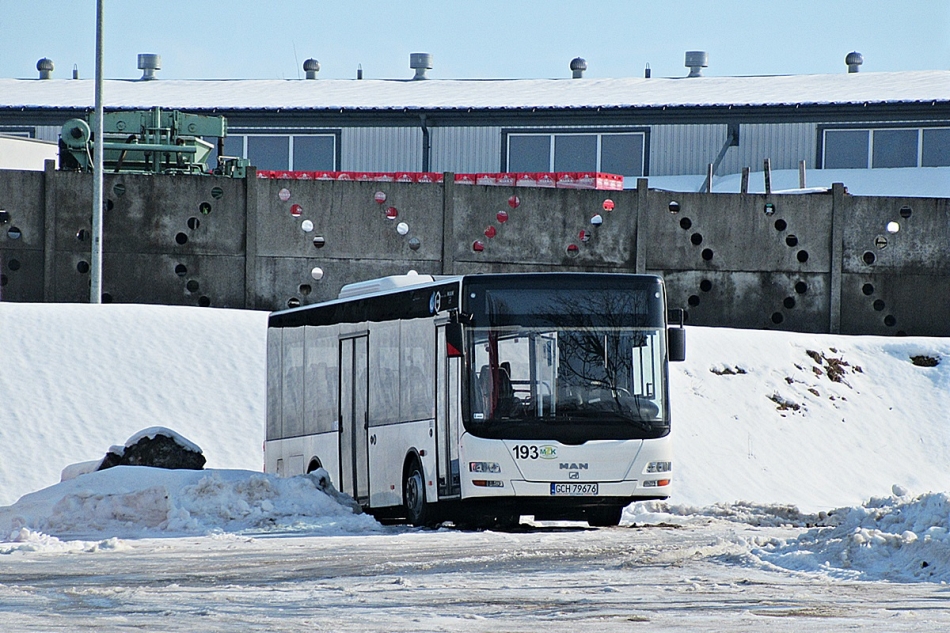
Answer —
844 88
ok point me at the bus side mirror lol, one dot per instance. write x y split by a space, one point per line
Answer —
454 346
676 343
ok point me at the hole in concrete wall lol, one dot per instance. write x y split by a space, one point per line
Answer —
306 226
305 289
82 267
181 270
217 193
867 289
893 227
403 229
296 210
696 239
319 241
597 220
789 302
82 234
478 246
204 301
106 297
490 232
705 285
880 241
193 223
109 205
868 257
415 243
514 202
204 208
674 207
905 211
791 240
769 208
584 236
293 302
379 197
283 195
693 300
685 224
781 225
502 216
890 321
802 256
4 217
573 250
801 287
608 205
14 233
878 305
181 238
192 285
392 213
707 254
118 189
777 317
317 273
13 265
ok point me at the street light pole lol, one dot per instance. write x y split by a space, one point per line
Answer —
95 288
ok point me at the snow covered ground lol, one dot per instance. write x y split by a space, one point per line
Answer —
811 483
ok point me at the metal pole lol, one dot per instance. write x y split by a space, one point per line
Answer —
95 289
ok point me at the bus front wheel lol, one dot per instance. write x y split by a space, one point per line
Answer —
418 512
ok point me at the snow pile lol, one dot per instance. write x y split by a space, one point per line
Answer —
137 501
892 538
78 378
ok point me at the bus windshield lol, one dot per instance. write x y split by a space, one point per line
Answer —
568 366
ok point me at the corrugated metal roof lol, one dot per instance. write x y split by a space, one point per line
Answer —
434 94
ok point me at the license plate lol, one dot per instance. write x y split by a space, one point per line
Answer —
574 490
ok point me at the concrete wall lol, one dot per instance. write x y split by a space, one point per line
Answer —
812 263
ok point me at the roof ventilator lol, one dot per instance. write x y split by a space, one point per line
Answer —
578 66
420 62
45 66
311 67
148 64
696 61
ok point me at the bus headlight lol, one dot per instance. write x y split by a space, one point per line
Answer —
659 467
484 467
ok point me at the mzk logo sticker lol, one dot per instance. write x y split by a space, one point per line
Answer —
548 452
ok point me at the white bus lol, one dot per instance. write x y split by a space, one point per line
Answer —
479 398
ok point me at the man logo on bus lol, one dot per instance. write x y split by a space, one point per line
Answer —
573 466
435 302
548 452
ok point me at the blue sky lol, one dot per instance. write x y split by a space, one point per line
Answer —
200 39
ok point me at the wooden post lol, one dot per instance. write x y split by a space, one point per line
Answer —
744 183
767 169
801 174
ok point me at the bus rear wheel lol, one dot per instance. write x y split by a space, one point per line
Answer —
608 516
418 512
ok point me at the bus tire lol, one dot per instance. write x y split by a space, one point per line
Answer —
418 511
607 516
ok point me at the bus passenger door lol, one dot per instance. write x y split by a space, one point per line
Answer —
447 413
354 395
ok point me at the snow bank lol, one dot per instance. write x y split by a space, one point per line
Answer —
77 378
136 501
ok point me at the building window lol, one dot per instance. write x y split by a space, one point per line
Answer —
611 152
280 152
857 148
